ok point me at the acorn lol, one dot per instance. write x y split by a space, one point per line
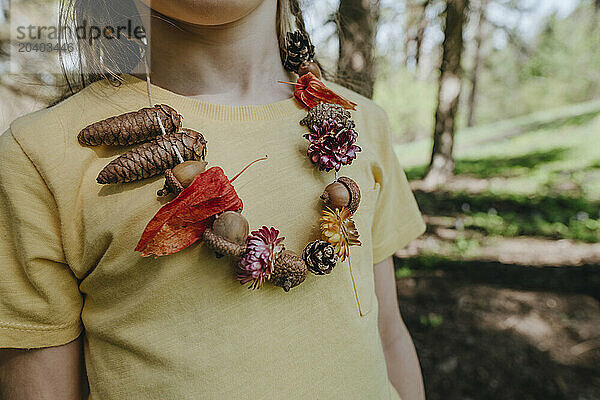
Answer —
309 66
289 270
228 234
232 225
344 192
186 171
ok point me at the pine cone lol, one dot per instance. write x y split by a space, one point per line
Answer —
319 256
296 50
327 112
132 127
154 157
221 245
288 270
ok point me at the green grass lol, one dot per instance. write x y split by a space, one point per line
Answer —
543 182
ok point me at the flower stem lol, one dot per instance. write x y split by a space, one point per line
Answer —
247 166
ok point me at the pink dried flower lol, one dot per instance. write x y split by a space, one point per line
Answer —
257 263
332 145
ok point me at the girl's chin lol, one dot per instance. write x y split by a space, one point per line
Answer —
204 12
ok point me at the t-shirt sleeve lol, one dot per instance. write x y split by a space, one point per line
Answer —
397 219
40 301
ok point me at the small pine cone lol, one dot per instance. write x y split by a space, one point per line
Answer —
354 192
327 112
172 184
296 50
132 127
222 246
288 270
154 157
319 256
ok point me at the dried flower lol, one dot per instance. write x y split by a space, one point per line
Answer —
257 263
332 145
339 229
311 91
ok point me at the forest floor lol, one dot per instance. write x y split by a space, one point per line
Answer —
502 293
483 339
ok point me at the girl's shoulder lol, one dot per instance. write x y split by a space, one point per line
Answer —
47 134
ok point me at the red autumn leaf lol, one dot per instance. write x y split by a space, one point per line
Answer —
181 222
311 91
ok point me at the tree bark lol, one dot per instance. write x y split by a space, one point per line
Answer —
441 166
477 63
423 22
357 26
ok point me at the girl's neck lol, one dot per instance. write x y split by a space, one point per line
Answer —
236 63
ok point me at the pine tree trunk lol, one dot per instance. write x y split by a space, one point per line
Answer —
357 26
423 22
441 166
476 63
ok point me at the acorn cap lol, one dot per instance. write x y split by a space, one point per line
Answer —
354 193
221 245
172 184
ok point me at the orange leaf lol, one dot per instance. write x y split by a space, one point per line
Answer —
181 222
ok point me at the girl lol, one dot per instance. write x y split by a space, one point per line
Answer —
181 326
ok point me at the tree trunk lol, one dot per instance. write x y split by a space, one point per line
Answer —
477 63
441 166
423 22
357 26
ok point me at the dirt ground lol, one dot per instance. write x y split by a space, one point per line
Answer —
478 339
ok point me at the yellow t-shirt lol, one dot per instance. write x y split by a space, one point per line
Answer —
181 326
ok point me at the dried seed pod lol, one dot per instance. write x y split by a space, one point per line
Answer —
342 193
132 127
154 157
289 270
232 226
186 171
222 246
327 112
309 66
172 185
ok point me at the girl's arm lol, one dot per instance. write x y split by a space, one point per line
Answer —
402 362
51 373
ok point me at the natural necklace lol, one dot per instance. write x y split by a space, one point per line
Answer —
206 206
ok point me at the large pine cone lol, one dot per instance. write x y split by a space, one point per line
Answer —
154 157
320 257
296 50
288 270
132 127
334 114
